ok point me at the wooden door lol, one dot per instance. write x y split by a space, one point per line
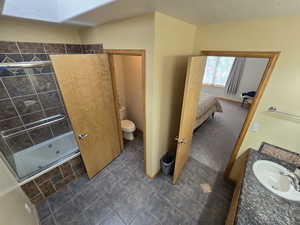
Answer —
193 84
86 85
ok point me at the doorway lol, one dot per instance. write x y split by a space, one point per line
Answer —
128 72
223 106
212 107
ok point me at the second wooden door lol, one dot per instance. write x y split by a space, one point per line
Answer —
193 84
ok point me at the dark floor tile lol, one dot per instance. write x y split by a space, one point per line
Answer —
68 213
120 171
31 47
136 187
115 220
79 184
106 183
18 86
50 99
43 210
128 208
86 197
145 218
19 142
43 83
27 104
55 48
99 211
80 219
8 47
7 109
48 221
10 123
189 206
166 213
119 194
40 135
60 198
99 176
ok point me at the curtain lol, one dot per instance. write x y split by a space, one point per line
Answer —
235 75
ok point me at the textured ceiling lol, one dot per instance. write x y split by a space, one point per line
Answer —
197 12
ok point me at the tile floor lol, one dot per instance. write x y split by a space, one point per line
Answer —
122 195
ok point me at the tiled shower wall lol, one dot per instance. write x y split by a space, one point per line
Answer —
28 95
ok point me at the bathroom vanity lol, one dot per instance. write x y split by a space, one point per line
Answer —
254 204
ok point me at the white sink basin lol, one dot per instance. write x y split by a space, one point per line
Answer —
268 174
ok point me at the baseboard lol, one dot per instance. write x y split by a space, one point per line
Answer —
230 99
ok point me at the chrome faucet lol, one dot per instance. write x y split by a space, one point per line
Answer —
294 179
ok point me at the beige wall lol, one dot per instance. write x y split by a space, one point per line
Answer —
133 82
119 72
134 33
167 42
275 34
13 200
174 41
18 30
129 82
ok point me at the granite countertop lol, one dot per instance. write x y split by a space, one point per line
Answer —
259 206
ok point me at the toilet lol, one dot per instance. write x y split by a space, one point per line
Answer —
128 127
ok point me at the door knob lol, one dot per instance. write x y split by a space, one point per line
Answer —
82 136
180 140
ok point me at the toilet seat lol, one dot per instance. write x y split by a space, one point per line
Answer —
127 126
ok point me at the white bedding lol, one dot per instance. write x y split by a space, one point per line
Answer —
207 105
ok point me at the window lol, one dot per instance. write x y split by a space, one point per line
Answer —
217 70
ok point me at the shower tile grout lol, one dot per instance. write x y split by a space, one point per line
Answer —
39 100
19 115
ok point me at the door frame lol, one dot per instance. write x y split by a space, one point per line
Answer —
273 57
130 52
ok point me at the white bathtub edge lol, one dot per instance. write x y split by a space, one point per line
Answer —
48 169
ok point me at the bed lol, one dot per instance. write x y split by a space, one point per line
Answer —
207 106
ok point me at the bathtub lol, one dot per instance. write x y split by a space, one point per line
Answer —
35 160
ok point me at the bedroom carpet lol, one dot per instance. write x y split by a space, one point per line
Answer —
214 140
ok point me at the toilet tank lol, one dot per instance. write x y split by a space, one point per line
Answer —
122 112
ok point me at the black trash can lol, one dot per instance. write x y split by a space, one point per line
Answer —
167 163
